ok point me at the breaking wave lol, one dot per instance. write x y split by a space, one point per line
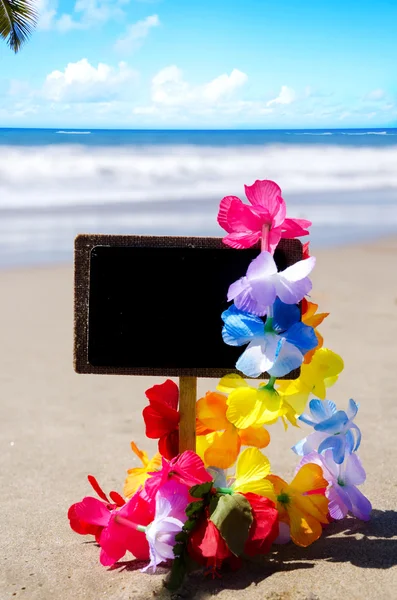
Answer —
76 175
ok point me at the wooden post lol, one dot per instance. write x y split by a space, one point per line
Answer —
187 411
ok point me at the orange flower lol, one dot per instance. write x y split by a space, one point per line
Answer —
219 441
310 318
302 505
138 475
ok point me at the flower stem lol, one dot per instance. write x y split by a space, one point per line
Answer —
225 490
123 521
265 238
270 383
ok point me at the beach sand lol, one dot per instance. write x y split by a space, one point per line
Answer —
56 427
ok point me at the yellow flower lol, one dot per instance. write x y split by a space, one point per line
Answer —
302 505
249 406
138 475
218 440
315 377
251 471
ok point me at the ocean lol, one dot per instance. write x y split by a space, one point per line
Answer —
55 184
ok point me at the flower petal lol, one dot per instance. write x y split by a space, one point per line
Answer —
223 213
353 470
361 506
241 240
244 407
264 193
262 267
310 477
302 336
165 393
223 448
295 227
322 409
284 315
337 445
254 436
259 356
292 284
230 382
92 511
334 424
336 507
211 411
240 327
304 528
352 409
287 359
252 466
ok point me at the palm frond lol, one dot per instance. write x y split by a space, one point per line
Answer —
17 21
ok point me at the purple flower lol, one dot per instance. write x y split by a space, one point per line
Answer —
256 292
342 492
171 501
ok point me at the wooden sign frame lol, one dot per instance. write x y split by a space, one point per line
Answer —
85 243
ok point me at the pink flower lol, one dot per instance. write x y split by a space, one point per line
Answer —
186 468
245 223
91 515
125 531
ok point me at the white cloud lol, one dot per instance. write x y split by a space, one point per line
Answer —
224 85
85 14
286 96
375 95
136 33
81 81
170 89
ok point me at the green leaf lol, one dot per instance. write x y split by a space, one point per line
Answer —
194 507
177 574
233 518
214 503
198 491
178 549
17 21
189 525
182 536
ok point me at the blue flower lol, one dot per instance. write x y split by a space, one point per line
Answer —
276 347
333 430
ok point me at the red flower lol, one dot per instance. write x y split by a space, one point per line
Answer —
84 527
207 547
264 528
162 417
306 250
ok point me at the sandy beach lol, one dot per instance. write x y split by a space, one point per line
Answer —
56 427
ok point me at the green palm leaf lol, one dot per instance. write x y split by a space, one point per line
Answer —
17 21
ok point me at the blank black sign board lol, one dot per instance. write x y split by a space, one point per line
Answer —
152 305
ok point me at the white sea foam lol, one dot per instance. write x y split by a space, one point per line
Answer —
67 175
74 132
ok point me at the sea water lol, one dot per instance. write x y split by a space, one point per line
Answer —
55 184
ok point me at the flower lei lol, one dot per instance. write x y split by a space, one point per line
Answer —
183 507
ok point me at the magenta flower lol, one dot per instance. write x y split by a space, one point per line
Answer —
121 530
171 502
186 468
245 223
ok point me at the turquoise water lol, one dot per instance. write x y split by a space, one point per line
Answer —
57 183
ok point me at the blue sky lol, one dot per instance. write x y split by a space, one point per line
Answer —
207 63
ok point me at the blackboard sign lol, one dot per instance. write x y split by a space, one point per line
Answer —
152 305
